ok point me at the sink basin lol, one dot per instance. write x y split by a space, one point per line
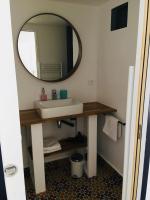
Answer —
58 108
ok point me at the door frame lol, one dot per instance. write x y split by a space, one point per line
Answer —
141 101
10 132
130 187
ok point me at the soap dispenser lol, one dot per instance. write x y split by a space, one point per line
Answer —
43 95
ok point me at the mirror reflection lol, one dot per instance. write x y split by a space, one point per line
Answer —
49 47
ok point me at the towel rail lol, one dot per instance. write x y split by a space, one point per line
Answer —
123 124
119 122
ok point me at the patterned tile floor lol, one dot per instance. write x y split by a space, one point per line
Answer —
61 186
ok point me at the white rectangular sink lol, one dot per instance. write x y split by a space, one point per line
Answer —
58 108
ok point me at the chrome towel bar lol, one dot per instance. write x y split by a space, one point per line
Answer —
123 124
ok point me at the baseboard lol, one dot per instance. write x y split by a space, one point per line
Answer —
114 167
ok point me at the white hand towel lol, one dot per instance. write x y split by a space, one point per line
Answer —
49 141
111 127
51 144
53 148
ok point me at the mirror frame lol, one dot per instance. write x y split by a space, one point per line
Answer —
79 54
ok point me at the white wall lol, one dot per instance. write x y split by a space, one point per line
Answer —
55 36
79 85
117 53
48 39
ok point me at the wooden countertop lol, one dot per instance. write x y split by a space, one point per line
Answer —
28 117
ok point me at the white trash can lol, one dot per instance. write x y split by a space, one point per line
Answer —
77 163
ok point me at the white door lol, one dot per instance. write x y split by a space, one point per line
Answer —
10 135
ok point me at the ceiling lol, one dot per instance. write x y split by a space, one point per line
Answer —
84 2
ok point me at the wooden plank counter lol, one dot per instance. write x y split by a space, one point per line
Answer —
28 117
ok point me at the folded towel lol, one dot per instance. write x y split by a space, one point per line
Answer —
52 149
111 127
49 141
51 144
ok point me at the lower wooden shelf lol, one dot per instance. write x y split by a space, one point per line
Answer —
68 144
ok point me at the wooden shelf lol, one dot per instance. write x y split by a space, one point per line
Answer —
68 144
28 117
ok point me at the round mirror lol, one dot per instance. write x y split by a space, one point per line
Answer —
49 47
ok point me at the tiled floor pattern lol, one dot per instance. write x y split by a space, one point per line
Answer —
61 186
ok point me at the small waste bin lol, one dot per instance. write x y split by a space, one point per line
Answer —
77 165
